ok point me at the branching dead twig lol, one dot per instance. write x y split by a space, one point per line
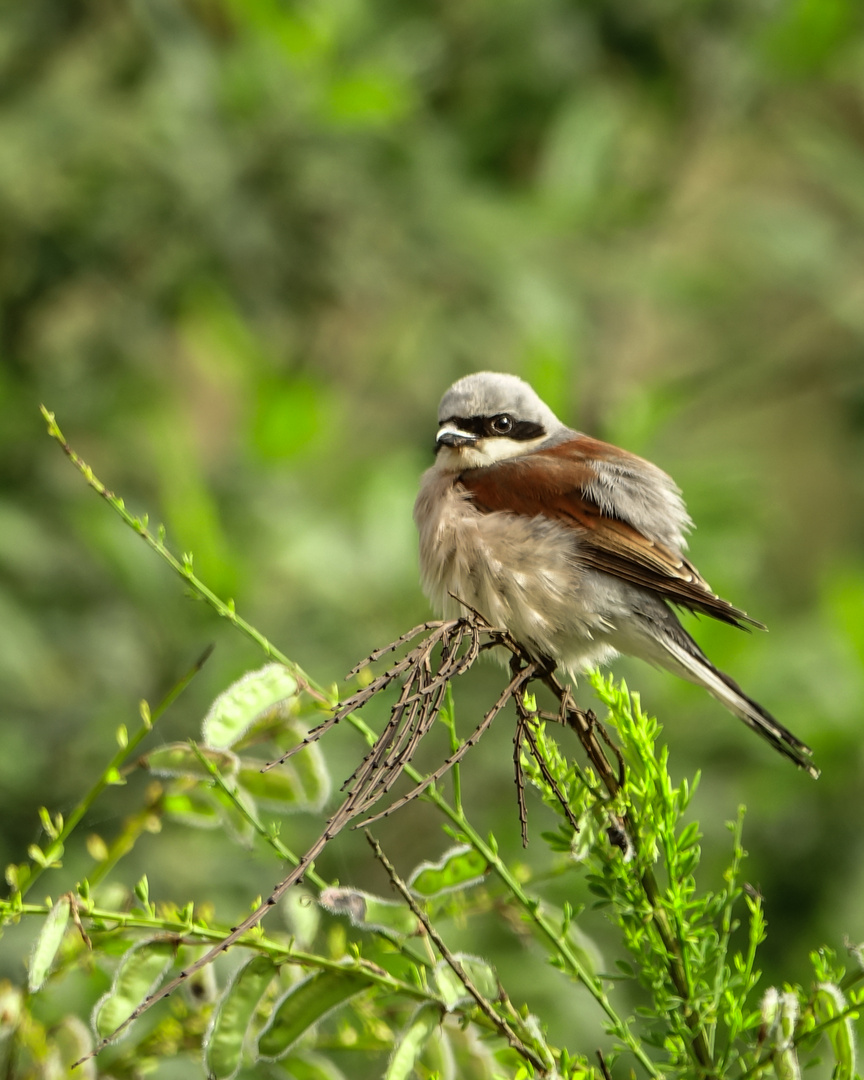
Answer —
485 1006
519 777
424 683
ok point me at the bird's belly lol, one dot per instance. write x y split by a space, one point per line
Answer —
520 573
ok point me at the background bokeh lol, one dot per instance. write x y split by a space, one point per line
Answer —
244 247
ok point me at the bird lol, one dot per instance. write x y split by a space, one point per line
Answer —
573 545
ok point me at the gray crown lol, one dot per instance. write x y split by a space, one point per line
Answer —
488 393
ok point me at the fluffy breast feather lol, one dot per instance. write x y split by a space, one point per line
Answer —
521 572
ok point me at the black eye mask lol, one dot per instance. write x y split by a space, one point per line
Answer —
483 427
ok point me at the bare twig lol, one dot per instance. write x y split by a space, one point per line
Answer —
509 691
485 1006
547 775
604 1068
376 654
519 777
424 683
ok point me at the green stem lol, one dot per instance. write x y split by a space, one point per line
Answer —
673 946
187 928
227 611
266 835
110 772
731 895
450 722
670 929
767 1060
548 929
674 943
182 568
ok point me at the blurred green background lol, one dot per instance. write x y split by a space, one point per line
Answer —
244 247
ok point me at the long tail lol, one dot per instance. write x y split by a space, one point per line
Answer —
685 658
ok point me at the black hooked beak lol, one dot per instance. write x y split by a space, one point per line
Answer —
454 437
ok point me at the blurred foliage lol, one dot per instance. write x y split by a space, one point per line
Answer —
246 244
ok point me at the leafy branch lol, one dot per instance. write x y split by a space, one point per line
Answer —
622 822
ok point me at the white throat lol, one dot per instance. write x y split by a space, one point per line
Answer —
484 452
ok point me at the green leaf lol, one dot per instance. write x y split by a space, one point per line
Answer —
369 912
195 807
305 1005
255 695
288 787
689 836
140 972
479 972
302 916
310 1066
142 890
47 823
37 855
409 1046
47 944
71 1040
311 770
179 759
457 868
223 1042
829 1004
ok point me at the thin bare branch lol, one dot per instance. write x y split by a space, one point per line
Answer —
376 654
425 678
515 684
547 775
519 777
485 1006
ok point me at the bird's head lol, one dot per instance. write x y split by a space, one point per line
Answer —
489 417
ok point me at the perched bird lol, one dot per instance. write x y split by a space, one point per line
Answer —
571 544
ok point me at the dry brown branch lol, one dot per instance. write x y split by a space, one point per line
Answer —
519 776
425 678
509 691
547 775
486 1007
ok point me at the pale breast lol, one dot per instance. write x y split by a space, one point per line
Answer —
519 572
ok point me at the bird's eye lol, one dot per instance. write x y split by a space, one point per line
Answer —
502 425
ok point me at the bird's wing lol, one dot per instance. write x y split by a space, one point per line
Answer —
626 513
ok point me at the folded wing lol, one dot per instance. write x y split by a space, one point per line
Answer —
626 514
